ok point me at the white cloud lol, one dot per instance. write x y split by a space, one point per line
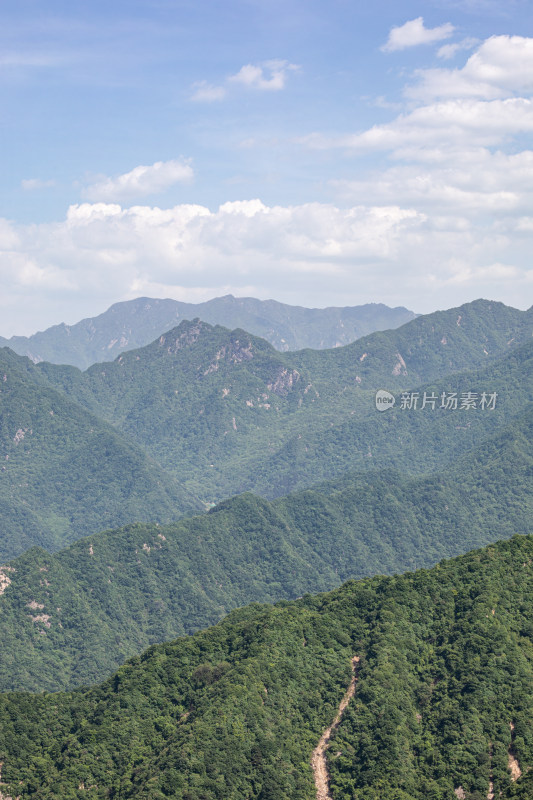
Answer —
486 103
470 183
268 76
444 219
501 67
311 254
463 122
462 273
265 76
456 156
106 251
524 224
415 33
141 181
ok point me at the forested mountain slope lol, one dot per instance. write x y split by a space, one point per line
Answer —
134 323
225 413
206 413
65 473
423 350
411 439
442 706
73 617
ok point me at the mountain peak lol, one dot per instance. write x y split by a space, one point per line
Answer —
184 335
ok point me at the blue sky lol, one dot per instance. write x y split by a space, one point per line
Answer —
319 153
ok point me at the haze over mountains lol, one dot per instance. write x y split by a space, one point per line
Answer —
134 323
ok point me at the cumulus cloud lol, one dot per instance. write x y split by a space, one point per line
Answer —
102 250
486 103
140 181
469 184
267 76
449 123
501 67
239 233
455 154
414 33
443 218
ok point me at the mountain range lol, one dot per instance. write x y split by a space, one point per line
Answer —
134 323
146 497
438 483
203 413
66 473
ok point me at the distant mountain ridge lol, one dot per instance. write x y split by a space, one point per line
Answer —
135 323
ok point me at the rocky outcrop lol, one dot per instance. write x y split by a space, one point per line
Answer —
284 381
234 353
185 339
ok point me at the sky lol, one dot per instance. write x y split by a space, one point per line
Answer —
318 153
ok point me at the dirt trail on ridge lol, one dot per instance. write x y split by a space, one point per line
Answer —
318 759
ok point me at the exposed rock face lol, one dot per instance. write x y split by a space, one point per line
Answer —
400 367
44 618
5 580
185 339
284 381
20 434
238 353
235 353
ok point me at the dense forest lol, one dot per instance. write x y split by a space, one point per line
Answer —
442 707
